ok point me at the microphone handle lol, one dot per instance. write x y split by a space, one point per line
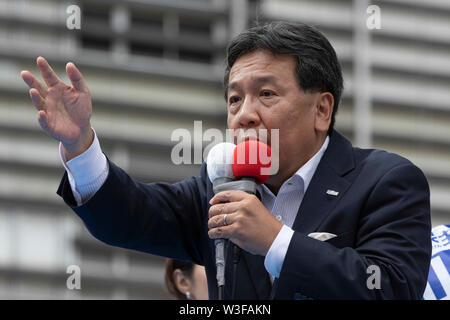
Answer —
220 261
245 184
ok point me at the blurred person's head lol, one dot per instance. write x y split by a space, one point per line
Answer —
185 280
284 76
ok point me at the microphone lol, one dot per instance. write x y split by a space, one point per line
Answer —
220 172
250 161
251 164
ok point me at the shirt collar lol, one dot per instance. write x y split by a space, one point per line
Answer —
306 172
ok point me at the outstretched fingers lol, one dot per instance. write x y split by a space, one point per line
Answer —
43 120
37 99
32 82
76 78
50 77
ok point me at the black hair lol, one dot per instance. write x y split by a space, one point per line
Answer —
318 68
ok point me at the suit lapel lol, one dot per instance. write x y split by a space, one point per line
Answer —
328 180
316 202
336 162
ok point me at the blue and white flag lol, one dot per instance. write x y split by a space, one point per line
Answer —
438 285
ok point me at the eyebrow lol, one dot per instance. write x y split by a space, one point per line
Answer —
257 82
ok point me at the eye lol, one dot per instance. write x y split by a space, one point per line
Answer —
234 99
267 93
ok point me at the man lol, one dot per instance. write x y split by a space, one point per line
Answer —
335 222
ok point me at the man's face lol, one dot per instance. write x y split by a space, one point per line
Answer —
264 94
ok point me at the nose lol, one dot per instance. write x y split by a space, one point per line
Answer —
248 114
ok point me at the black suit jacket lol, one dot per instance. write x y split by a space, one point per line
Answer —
381 217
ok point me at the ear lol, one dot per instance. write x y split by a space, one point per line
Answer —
324 111
181 281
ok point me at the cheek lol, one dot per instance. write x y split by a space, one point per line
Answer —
294 126
229 118
231 121
280 119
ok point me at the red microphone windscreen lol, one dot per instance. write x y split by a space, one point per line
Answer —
252 159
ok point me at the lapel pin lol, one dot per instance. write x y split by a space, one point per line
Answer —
332 192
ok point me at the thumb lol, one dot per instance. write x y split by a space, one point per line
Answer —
76 78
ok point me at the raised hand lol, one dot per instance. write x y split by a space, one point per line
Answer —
64 111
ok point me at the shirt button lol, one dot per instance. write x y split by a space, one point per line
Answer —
279 217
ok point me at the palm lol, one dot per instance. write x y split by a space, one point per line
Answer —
68 110
64 111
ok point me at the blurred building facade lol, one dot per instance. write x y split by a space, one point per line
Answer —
153 66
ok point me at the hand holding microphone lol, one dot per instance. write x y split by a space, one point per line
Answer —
239 216
248 223
236 213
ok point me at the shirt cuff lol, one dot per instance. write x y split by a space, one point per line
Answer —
86 172
277 251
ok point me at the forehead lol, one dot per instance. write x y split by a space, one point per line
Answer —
263 63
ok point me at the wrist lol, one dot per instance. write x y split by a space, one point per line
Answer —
73 150
276 228
277 252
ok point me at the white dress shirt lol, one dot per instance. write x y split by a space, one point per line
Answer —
284 206
88 171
